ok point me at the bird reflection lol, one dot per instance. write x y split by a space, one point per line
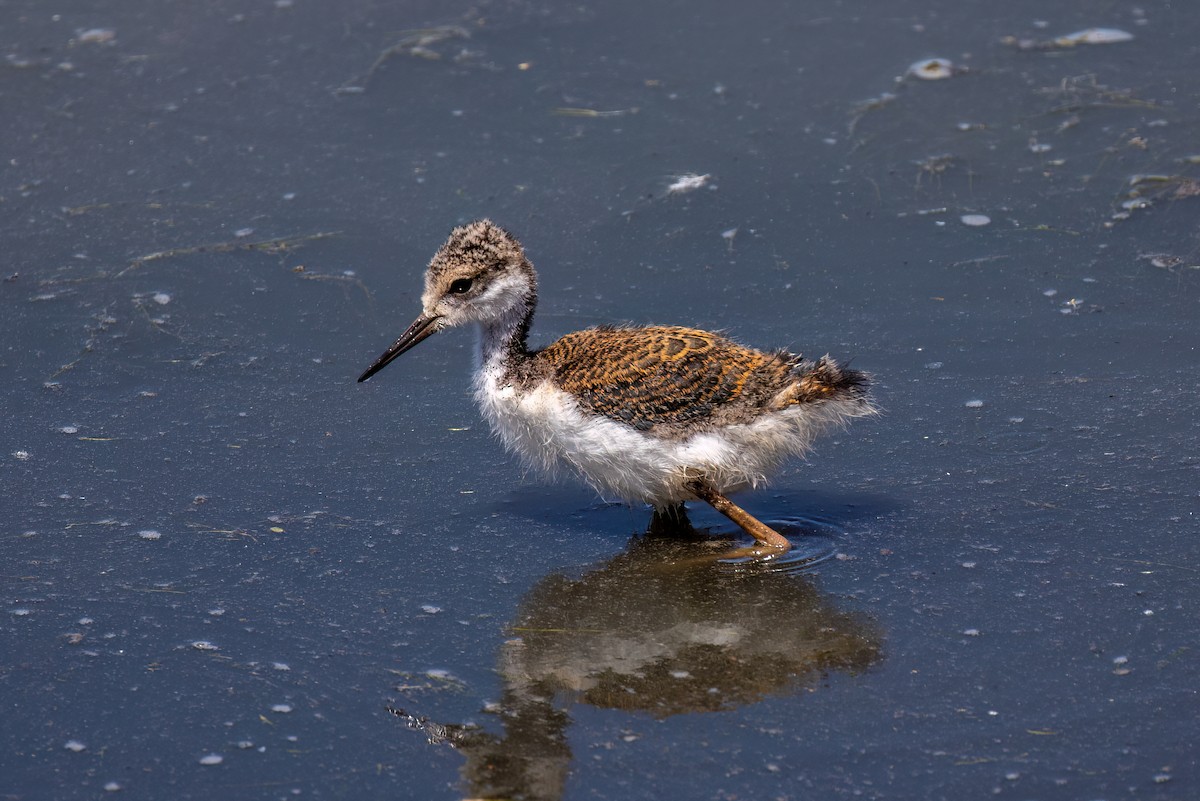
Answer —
661 629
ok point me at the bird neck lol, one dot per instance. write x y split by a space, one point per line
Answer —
505 339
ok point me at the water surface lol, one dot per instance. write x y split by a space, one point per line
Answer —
224 562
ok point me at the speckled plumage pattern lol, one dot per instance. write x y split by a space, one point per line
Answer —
671 381
640 413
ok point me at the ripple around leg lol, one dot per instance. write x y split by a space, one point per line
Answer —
813 541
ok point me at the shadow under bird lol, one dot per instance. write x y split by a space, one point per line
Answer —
650 414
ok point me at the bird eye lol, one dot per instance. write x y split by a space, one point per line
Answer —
460 286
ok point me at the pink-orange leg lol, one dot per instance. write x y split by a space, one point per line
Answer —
770 541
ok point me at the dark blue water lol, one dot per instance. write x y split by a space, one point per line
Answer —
223 562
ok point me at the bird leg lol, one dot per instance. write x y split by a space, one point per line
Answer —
671 521
764 535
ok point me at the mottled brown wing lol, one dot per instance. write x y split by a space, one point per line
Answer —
666 376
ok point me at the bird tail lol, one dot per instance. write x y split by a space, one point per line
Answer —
826 381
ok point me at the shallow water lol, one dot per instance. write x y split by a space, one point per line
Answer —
216 544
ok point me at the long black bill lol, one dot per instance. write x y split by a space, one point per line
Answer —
421 328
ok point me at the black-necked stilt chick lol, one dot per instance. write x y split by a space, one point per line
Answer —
653 414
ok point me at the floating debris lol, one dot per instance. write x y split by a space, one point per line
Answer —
688 182
435 733
1146 190
1087 36
113 787
204 645
974 404
21 456
413 43
283 709
566 111
211 759
935 166
430 609
1094 36
277 246
75 746
975 220
1166 261
867 106
95 36
933 69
